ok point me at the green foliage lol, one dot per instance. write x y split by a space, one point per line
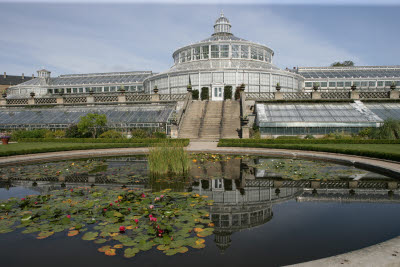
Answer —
170 221
389 130
365 133
92 124
237 93
195 94
347 63
287 137
228 92
168 159
38 133
159 135
204 93
182 141
73 132
111 134
233 142
140 133
338 135
309 136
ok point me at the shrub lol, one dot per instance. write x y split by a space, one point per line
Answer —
204 93
237 94
195 94
139 133
389 130
49 134
309 136
285 137
365 133
111 134
73 132
168 159
228 92
159 135
38 133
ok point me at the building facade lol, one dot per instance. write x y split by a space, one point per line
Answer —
214 63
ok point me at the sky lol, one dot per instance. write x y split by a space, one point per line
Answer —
100 36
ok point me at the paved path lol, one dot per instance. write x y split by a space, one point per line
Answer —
383 254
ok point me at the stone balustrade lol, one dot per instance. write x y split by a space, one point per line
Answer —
327 95
95 99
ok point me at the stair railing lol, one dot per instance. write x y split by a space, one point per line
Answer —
182 112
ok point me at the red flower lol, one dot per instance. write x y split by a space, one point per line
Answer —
116 201
72 190
105 209
136 221
69 216
122 228
150 215
110 204
23 199
129 209
143 195
35 203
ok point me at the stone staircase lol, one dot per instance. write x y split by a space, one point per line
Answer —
191 122
211 120
231 119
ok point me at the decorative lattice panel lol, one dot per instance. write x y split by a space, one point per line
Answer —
259 96
296 95
381 94
40 101
173 97
335 95
106 98
21 101
138 98
75 100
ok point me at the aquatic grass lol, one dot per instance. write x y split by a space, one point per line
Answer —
168 158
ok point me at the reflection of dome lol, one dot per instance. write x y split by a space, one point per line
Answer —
222 240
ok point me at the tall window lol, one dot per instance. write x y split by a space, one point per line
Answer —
214 51
235 51
196 53
244 50
188 55
224 51
260 54
204 52
253 53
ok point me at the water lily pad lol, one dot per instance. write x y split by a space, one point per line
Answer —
130 252
90 236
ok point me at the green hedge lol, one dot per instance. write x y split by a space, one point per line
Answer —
143 141
57 149
238 142
373 154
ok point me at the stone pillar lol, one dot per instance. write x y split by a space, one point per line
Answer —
3 102
353 184
278 184
60 100
316 95
392 185
245 132
394 94
90 99
121 99
278 95
315 184
31 101
174 131
155 97
354 95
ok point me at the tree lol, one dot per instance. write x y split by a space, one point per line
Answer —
92 123
347 63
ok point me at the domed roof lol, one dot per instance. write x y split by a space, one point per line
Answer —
222 31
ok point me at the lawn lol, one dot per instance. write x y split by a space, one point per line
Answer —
384 151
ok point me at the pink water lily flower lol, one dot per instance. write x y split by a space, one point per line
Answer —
122 228
23 199
143 195
157 199
69 216
136 221
151 206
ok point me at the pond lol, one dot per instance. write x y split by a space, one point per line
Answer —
227 210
